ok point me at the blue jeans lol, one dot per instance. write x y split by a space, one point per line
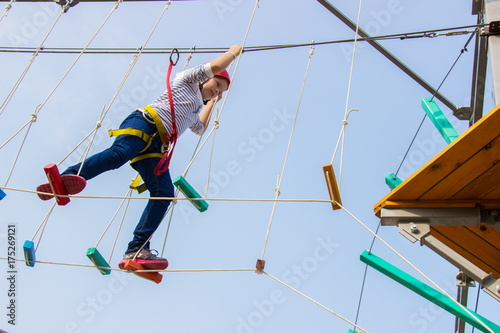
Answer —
124 148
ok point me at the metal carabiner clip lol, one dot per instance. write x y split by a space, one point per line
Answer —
165 148
171 54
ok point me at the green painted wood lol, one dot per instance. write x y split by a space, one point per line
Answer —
439 120
392 181
190 193
99 262
425 291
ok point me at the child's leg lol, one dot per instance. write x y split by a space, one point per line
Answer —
124 148
158 186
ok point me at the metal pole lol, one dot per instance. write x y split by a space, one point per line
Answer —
389 55
492 10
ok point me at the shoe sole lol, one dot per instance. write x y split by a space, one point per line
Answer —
72 183
147 264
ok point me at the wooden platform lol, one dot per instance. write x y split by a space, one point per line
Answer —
464 174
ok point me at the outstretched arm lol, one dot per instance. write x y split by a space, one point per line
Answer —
221 63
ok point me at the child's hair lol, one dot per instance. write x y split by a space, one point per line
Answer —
205 101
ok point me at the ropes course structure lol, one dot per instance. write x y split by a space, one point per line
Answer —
235 174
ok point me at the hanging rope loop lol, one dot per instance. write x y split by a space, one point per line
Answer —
164 163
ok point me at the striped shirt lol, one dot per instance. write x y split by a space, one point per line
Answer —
188 101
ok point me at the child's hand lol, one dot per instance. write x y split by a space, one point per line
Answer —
236 49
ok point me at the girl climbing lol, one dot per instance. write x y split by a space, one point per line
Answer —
144 137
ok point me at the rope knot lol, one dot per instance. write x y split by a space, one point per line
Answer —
98 124
277 191
216 124
33 117
344 122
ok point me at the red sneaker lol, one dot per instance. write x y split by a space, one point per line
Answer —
72 183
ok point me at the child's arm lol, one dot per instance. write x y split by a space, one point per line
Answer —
221 63
206 113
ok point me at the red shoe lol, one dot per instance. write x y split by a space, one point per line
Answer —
72 183
147 259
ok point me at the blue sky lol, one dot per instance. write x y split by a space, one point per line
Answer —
311 247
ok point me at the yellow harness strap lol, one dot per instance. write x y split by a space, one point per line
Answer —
130 131
144 136
159 125
141 157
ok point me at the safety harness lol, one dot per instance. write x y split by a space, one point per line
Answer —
168 141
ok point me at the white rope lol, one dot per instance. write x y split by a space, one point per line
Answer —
280 176
86 151
346 113
342 136
132 64
129 192
23 74
315 302
7 9
32 120
189 57
128 271
169 198
43 221
93 131
120 226
40 106
79 55
414 267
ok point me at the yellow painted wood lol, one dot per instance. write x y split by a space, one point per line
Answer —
482 185
470 143
465 173
333 188
488 233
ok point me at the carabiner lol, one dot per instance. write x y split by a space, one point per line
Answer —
171 53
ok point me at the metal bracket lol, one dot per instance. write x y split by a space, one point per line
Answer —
432 216
463 113
414 231
420 231
464 281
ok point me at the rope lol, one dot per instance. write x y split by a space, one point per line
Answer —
434 33
129 192
411 144
32 120
44 223
477 304
7 9
415 268
120 226
172 198
464 49
214 127
40 106
364 280
280 176
127 271
315 302
347 112
131 66
23 74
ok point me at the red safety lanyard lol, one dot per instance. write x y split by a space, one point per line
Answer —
165 161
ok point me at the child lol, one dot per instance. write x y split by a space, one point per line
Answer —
138 140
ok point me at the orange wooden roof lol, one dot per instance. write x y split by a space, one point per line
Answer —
464 174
